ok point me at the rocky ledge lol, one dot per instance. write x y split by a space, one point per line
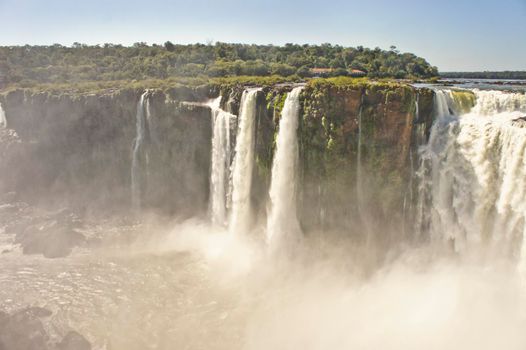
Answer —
25 330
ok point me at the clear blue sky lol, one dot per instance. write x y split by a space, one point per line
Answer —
451 34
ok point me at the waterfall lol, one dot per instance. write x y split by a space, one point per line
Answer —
221 155
492 102
428 174
417 137
473 175
153 132
137 175
240 220
3 120
360 195
282 222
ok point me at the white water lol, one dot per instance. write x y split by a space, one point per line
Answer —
3 120
492 102
221 155
138 144
240 220
153 131
474 175
282 224
360 195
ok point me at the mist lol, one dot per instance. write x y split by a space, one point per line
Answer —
227 292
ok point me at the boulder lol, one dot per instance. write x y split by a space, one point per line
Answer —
24 330
50 239
74 341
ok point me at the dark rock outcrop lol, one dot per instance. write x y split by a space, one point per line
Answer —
73 341
53 235
24 330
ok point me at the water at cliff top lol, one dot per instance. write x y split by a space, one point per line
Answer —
283 228
473 175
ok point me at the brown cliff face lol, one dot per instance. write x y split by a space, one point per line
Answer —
76 150
71 145
179 156
355 145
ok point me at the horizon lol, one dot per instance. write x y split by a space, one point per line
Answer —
451 35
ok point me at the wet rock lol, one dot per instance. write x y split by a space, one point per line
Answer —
38 312
53 235
9 197
4 318
8 208
520 122
24 330
49 239
74 341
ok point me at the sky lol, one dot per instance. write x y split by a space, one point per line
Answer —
454 35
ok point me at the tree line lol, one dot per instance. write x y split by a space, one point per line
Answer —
80 62
511 75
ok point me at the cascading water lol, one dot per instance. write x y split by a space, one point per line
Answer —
282 225
473 174
418 137
3 120
137 174
221 156
426 156
150 123
360 195
492 102
243 164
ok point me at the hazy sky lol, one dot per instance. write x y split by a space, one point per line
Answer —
451 34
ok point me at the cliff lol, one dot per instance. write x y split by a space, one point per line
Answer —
76 149
356 139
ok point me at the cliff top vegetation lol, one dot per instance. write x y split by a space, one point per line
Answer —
512 75
58 64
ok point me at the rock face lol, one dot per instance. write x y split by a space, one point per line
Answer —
24 330
52 234
74 341
356 145
73 147
179 156
357 142
76 150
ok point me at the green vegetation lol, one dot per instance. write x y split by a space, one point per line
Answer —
485 75
464 100
160 84
30 65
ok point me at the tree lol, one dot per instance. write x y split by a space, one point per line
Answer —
169 46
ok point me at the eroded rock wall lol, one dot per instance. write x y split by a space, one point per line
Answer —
356 141
76 150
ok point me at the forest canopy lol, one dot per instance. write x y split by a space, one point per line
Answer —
512 75
80 62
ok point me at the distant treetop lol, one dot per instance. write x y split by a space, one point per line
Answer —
80 62
485 75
